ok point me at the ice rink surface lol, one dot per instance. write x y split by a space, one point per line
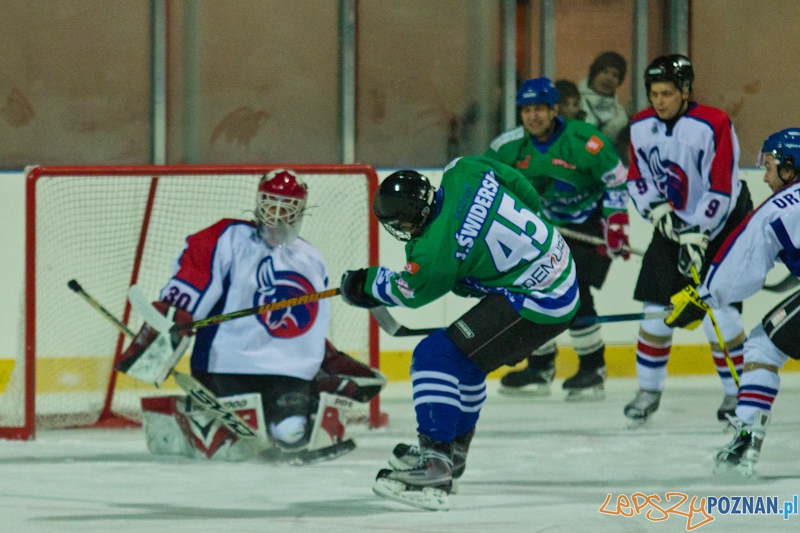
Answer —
536 465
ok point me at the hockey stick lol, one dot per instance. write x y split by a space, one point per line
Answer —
391 326
161 323
720 339
787 283
187 383
591 239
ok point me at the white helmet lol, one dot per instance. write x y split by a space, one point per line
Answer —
279 207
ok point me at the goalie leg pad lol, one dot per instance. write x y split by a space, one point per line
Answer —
176 425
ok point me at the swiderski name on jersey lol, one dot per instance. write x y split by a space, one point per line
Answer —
476 215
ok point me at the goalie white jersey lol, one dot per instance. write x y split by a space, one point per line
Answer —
693 165
227 267
770 233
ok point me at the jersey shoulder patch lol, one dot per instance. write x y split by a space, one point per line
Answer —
507 137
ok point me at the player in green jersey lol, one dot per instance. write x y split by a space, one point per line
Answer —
582 185
479 235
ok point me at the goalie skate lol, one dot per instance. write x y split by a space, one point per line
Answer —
738 458
586 385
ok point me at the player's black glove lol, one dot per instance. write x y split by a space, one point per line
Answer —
693 250
353 289
688 309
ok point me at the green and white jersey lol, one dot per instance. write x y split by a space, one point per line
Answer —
574 171
484 236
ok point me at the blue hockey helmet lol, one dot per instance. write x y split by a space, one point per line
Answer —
537 91
784 146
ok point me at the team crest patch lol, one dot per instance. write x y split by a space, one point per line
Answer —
594 144
411 268
277 285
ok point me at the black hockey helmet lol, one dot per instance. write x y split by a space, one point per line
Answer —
403 203
675 68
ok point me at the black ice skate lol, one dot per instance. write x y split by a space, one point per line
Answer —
534 380
727 409
741 454
587 385
406 456
643 405
424 486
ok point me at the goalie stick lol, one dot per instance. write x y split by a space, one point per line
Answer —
200 394
391 326
161 323
187 383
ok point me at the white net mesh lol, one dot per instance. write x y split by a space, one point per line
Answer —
89 228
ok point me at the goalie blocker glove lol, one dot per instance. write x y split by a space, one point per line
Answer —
353 289
615 232
688 309
693 250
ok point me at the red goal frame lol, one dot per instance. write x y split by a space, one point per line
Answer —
107 418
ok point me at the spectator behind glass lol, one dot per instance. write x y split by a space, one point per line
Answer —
599 100
569 106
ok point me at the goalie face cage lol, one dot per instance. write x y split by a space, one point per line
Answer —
110 227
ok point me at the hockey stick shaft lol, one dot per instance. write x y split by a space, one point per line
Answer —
591 239
720 339
76 287
266 308
190 385
391 326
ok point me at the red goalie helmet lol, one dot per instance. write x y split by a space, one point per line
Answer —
279 206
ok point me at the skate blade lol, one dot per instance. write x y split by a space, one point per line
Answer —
734 473
638 423
428 499
527 391
594 394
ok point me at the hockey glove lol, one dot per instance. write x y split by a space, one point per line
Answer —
665 220
688 309
615 232
151 354
693 250
353 289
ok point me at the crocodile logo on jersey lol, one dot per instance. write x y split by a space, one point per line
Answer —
277 285
671 180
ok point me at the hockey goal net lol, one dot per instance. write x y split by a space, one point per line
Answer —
110 227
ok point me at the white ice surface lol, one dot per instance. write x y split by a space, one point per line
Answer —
535 466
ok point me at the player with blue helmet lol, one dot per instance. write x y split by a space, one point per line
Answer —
581 181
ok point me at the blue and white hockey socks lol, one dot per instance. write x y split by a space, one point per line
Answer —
449 389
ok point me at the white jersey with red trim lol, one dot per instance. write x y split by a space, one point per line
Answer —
227 267
770 233
693 165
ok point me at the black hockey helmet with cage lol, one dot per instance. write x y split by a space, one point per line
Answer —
403 203
675 68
